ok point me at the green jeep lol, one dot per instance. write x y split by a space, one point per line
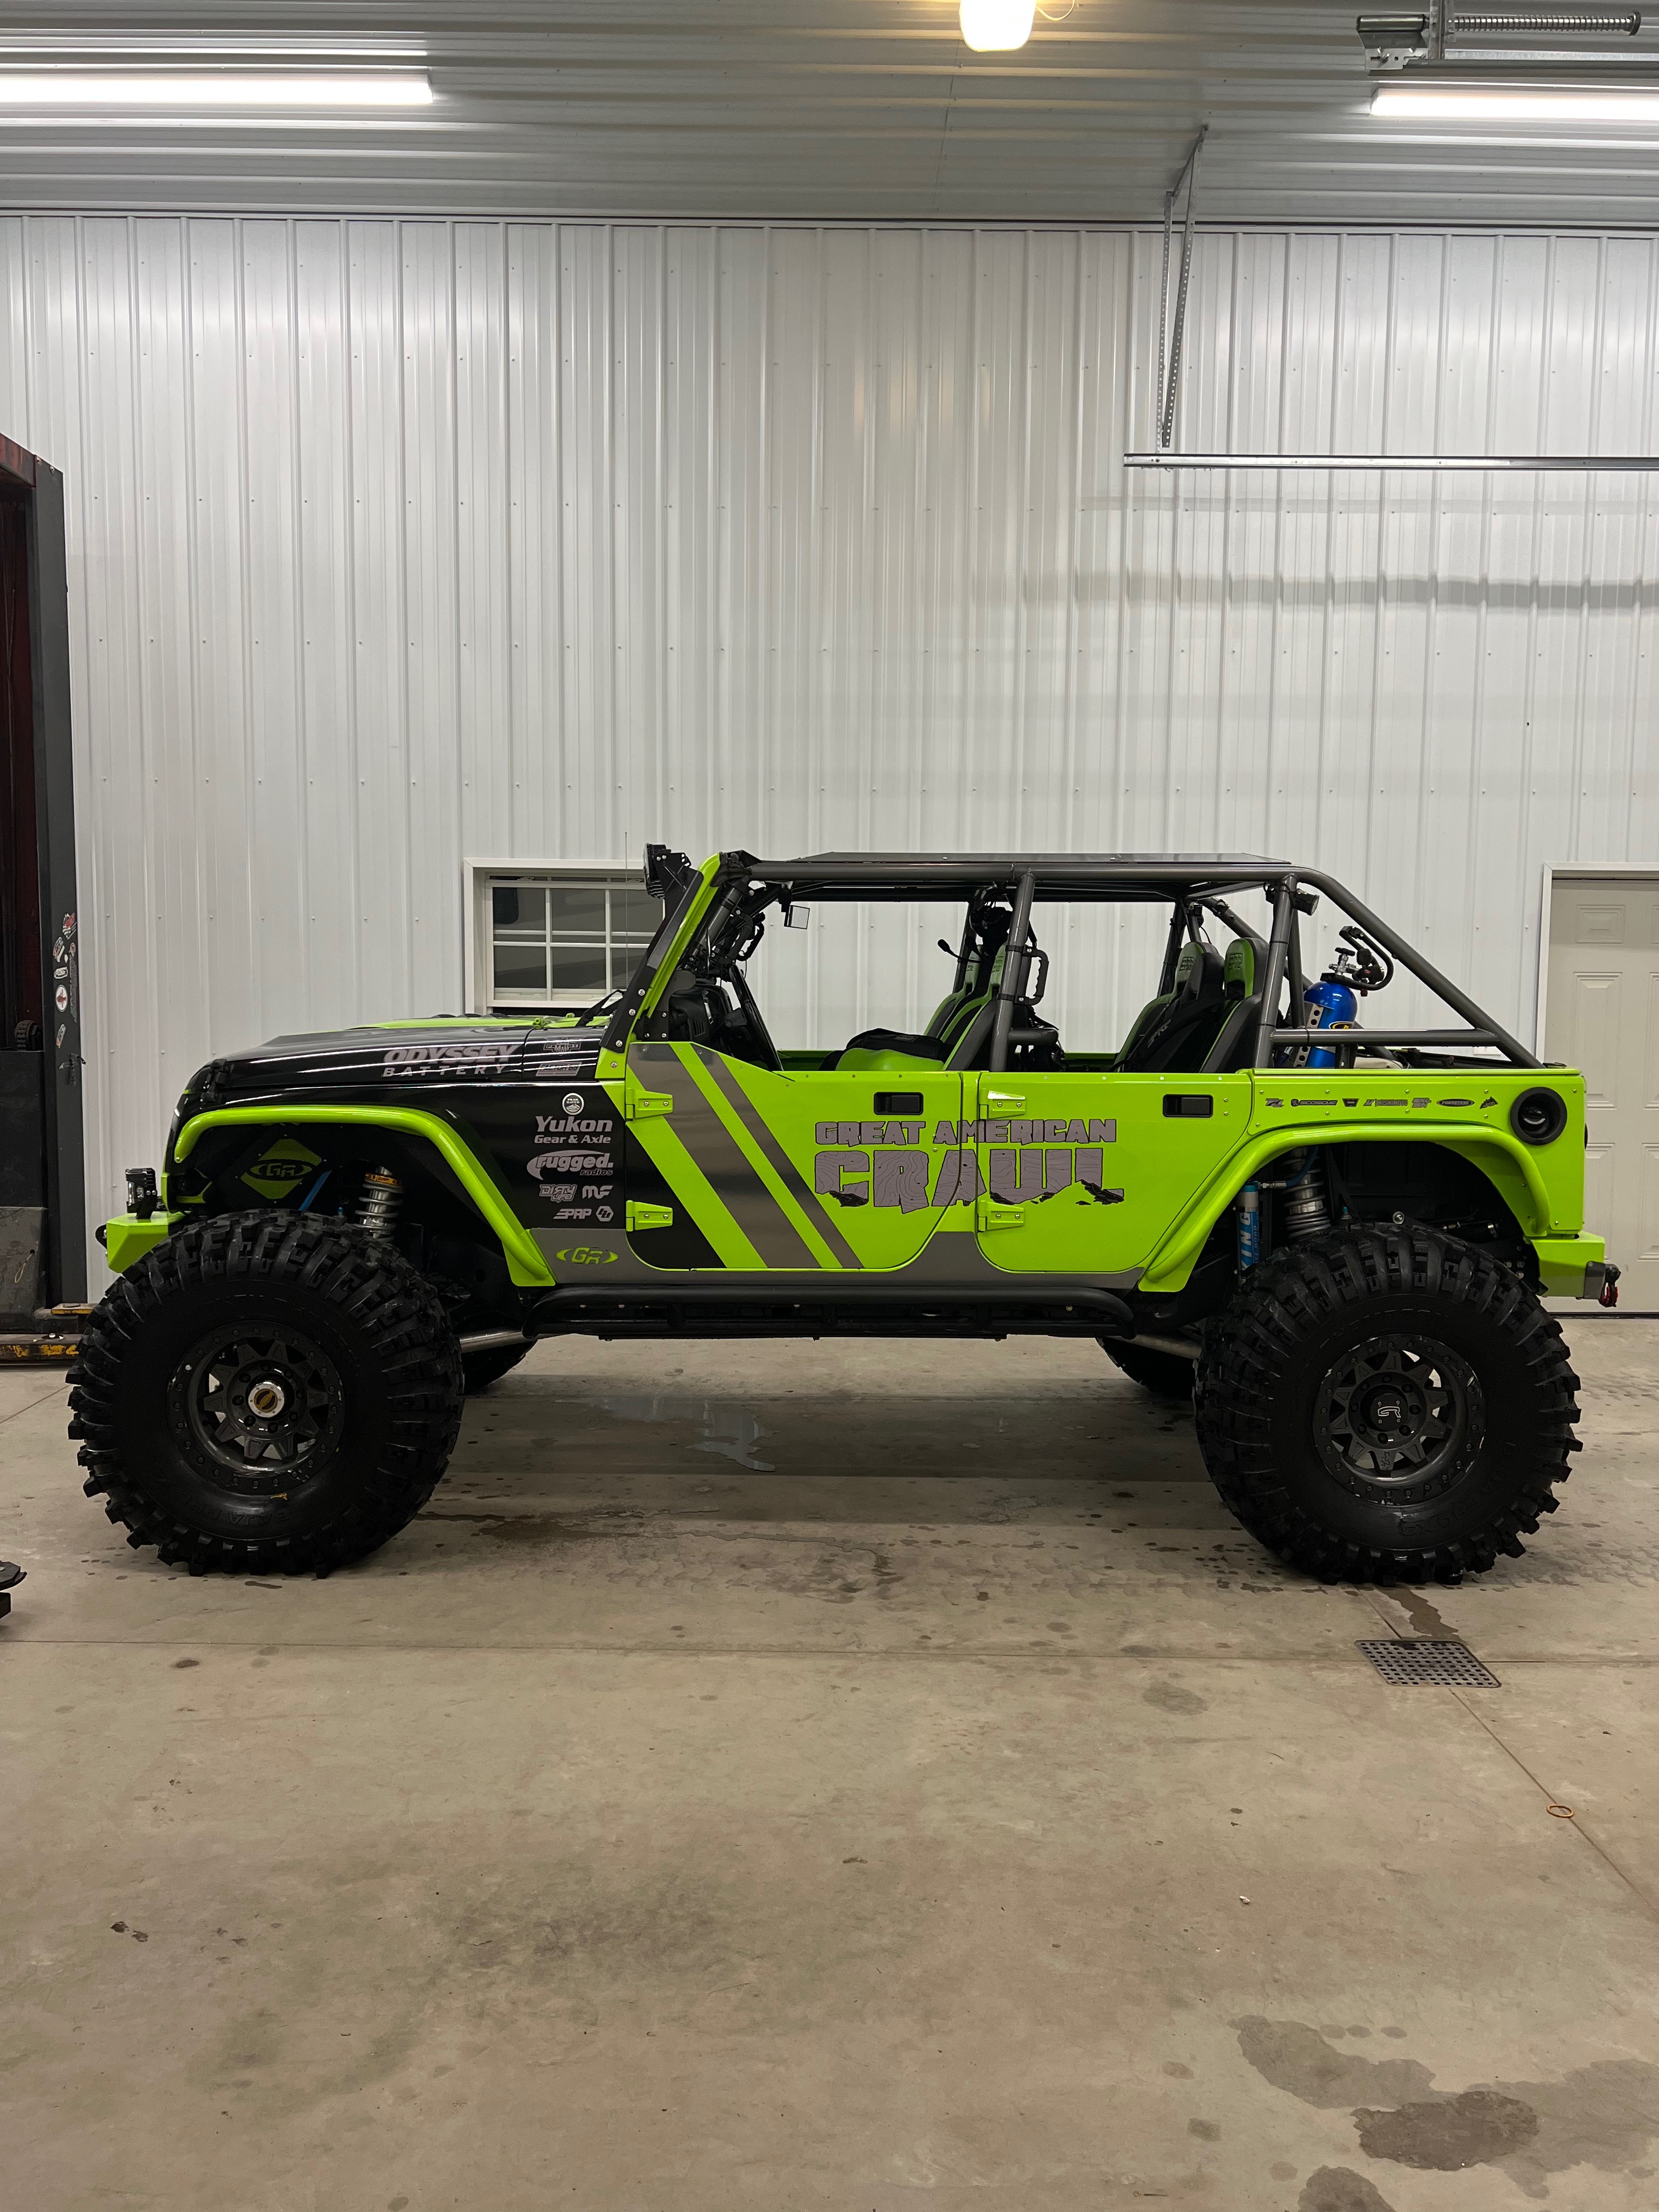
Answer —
1332 1239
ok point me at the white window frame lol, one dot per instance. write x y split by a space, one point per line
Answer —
478 934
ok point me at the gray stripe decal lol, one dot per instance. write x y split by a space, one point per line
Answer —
717 1152
778 1159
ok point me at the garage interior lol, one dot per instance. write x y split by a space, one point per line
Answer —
845 1773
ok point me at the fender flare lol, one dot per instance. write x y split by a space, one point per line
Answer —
525 1265
1173 1261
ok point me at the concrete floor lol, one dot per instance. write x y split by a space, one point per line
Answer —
859 1776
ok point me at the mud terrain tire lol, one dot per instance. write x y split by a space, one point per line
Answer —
1387 1405
266 1393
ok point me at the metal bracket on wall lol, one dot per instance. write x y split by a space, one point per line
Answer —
1169 339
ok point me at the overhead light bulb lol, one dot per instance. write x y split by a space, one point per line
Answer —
62 87
996 26
1522 104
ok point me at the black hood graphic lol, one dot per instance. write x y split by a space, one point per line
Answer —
400 1060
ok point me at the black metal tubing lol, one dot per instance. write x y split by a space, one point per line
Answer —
1172 945
1273 981
1424 971
1013 972
1362 1037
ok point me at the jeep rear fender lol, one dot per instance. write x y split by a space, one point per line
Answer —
1505 1162
524 1264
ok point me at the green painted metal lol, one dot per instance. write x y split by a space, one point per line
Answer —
1562 1261
1513 1169
524 1263
126 1239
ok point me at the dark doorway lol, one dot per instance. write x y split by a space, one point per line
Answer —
42 1196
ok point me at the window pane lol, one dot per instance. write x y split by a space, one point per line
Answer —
579 968
518 906
521 967
634 914
576 909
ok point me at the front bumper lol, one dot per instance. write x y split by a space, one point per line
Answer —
126 1238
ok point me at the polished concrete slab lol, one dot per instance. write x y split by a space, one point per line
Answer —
841 1776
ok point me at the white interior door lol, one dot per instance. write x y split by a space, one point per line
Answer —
1601 1014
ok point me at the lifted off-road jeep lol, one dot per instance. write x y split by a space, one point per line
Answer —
1333 1238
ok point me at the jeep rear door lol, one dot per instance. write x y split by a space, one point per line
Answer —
1084 1174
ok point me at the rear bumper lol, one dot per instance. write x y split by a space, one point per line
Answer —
1575 1268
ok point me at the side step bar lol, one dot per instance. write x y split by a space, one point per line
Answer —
696 1310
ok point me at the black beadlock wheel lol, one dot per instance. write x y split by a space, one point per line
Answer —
481 1369
1387 1405
1165 1374
266 1392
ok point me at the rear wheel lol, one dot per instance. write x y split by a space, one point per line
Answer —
1386 1405
1165 1374
266 1392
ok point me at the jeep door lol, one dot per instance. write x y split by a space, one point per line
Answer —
730 1165
1085 1173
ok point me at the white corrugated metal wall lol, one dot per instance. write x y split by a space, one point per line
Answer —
394 542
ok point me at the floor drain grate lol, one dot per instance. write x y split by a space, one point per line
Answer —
1451 1666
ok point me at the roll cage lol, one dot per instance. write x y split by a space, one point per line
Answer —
1256 1032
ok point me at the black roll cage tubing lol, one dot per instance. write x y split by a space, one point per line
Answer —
1292 892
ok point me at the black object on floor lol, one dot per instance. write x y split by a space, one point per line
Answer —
10 1575
1428 1664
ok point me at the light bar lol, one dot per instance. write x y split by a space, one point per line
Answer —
68 87
1445 103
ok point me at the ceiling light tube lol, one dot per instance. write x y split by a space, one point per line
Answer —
1439 103
68 87
996 26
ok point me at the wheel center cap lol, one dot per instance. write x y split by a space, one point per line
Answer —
1390 1411
267 1399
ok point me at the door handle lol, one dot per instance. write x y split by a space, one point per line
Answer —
989 1215
636 1215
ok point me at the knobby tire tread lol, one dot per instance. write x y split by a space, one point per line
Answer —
1245 1349
390 1301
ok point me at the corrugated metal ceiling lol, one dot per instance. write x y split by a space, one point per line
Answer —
813 109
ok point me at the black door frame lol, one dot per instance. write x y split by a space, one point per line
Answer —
40 487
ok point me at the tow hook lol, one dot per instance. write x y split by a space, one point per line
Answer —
1608 1295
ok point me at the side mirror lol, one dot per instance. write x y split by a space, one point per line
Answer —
796 917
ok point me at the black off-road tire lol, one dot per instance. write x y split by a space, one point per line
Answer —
1298 1381
330 1326
1165 1374
481 1369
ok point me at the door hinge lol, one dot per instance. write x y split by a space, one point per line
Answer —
990 1215
648 1217
642 1105
998 1102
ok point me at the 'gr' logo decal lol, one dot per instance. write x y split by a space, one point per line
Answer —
585 1255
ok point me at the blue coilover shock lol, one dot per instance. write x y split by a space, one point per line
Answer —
1248 1216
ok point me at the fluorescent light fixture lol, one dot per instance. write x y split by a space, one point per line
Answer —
996 26
69 88
1445 103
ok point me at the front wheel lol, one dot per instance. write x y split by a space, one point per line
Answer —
1387 1405
267 1393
